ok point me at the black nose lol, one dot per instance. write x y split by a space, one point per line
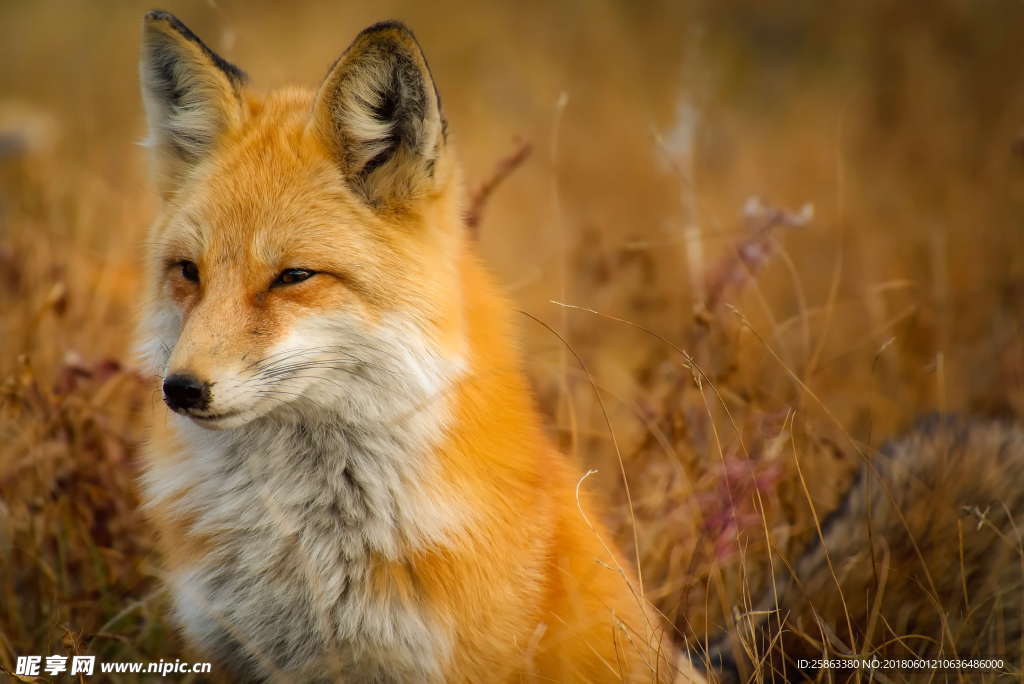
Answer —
183 391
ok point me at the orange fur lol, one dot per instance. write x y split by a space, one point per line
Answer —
525 585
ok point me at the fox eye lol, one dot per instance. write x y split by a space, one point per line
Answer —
189 271
290 276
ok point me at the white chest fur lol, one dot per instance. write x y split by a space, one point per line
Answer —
300 516
302 504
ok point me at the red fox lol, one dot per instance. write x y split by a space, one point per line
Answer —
353 483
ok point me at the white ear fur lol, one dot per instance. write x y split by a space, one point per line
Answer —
191 96
379 112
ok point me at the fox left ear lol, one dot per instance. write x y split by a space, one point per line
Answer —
191 96
379 113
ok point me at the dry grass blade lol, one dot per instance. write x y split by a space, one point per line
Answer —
751 253
482 193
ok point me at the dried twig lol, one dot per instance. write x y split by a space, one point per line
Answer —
751 253
478 198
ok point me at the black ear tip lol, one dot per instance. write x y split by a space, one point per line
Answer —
154 17
166 19
385 29
160 15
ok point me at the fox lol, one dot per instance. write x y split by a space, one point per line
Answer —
348 476
921 560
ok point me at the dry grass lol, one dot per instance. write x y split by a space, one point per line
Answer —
743 357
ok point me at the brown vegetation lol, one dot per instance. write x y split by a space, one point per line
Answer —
745 355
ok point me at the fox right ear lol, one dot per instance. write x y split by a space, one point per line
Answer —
191 96
379 113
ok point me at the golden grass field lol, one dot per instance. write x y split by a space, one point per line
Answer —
734 359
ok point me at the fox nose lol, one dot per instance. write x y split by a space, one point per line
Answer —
183 391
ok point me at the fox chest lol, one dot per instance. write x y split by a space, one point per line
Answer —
281 622
285 591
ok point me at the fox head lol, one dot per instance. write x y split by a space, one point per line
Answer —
306 251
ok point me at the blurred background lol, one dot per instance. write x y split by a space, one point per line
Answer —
791 227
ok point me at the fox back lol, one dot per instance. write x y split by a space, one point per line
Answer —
352 481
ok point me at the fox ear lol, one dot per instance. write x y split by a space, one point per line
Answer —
379 113
191 96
